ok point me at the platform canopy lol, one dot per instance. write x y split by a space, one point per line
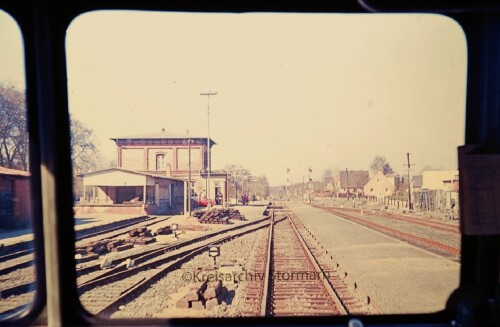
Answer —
117 186
124 177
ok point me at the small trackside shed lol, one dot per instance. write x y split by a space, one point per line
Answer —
121 191
15 208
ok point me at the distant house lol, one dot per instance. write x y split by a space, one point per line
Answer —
351 182
440 190
14 198
379 185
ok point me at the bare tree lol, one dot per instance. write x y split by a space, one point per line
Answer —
260 186
83 149
13 128
401 185
327 178
379 163
236 175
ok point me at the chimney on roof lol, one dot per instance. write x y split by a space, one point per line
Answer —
187 131
163 129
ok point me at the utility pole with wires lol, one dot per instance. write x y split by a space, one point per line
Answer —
208 94
347 182
190 141
288 184
311 188
410 204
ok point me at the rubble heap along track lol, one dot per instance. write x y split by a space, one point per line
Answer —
422 242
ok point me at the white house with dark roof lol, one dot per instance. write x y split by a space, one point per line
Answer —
351 182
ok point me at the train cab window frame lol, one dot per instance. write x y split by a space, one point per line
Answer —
43 27
27 201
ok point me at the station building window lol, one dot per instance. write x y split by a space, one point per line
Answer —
160 161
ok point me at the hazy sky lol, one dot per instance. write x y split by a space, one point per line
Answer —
325 91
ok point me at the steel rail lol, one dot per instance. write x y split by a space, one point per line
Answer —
156 269
397 233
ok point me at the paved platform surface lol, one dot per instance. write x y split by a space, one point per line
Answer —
398 277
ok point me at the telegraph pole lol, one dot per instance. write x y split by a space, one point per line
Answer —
189 177
410 205
347 177
208 94
310 185
288 184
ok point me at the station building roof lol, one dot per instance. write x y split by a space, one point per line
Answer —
122 177
163 135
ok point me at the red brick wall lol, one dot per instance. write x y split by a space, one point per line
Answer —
22 207
21 199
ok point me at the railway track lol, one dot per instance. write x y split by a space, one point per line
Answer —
441 226
301 281
297 286
17 293
22 259
105 294
148 254
354 300
422 242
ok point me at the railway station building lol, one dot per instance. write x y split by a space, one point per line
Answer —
439 190
152 174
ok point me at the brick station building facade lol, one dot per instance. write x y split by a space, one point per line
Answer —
152 173
174 156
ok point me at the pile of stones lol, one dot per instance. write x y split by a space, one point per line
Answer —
92 250
140 236
166 230
203 295
218 216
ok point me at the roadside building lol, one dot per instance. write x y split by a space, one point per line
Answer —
379 186
440 191
445 180
154 169
15 209
351 182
